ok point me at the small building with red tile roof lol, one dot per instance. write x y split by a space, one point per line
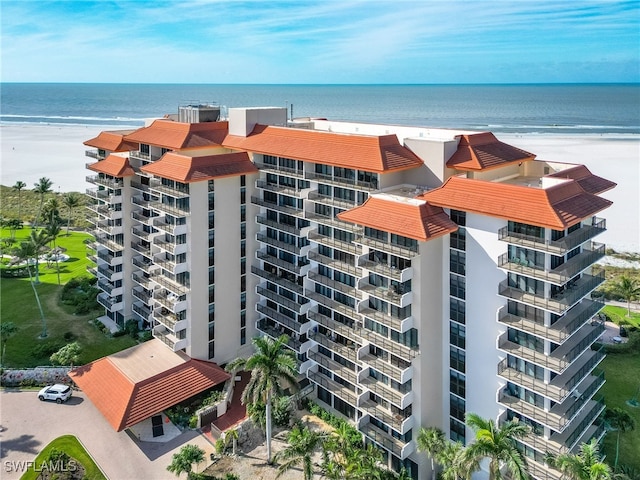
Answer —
483 151
114 165
132 385
112 141
363 152
588 181
178 135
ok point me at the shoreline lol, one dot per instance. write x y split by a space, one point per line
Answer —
31 151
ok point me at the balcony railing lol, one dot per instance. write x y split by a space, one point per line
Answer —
335 243
332 201
288 209
388 247
557 247
280 170
346 310
334 222
282 189
288 247
348 350
263 220
400 375
402 351
170 209
280 318
141 310
400 423
385 440
388 294
175 192
97 193
344 330
342 181
281 299
334 387
163 280
384 269
274 332
401 400
335 264
279 280
337 368
559 303
105 182
335 285
290 267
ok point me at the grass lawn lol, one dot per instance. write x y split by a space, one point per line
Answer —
72 447
19 306
622 374
618 315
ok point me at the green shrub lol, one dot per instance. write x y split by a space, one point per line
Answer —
193 421
131 327
219 446
46 349
119 333
146 336
281 412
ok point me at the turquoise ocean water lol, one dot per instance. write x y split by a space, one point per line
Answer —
571 108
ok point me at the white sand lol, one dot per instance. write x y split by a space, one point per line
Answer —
33 151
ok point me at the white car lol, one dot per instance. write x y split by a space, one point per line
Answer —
58 392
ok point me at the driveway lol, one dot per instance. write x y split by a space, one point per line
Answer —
28 425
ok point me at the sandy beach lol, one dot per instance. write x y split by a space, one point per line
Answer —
33 151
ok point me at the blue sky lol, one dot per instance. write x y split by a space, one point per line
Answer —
330 41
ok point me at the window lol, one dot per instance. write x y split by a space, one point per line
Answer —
456 286
457 310
243 336
457 430
212 331
243 195
243 180
243 301
459 217
212 352
456 407
458 239
457 262
243 283
457 383
457 359
243 213
457 334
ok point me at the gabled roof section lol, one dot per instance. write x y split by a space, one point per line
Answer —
114 165
413 219
178 135
483 151
558 207
113 141
132 385
186 168
370 153
588 181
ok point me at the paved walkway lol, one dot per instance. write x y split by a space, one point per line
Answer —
28 425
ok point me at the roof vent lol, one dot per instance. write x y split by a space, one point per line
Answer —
199 113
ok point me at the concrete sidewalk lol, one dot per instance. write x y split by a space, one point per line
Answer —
28 425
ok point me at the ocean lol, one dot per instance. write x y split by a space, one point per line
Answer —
552 108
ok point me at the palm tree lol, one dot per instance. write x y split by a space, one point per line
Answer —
39 239
51 210
587 464
70 200
272 365
622 422
627 288
25 252
498 445
456 462
53 231
431 441
18 187
303 443
42 187
7 330
183 460
232 435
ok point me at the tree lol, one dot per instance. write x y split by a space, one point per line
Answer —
456 463
272 366
185 458
42 187
622 422
585 465
13 225
232 434
70 200
67 355
303 443
25 252
51 210
53 231
498 444
7 330
19 185
39 239
431 441
627 288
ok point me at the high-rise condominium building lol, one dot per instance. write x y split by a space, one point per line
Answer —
420 274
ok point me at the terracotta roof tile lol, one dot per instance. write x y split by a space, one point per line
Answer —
370 153
124 402
187 168
557 207
112 141
114 165
418 221
483 151
177 135
588 181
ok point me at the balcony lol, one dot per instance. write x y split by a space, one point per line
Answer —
341 370
566 326
290 267
282 189
143 263
166 318
105 182
399 324
389 294
97 194
559 303
288 247
170 246
108 243
387 441
335 243
94 154
169 339
268 327
140 201
342 181
335 285
388 247
144 157
110 304
110 274
348 350
340 328
282 319
139 186
560 359
288 209
142 234
559 275
399 423
337 389
280 170
399 399
283 227
281 299
170 301
556 247
110 227
142 294
332 221
143 281
104 256
171 265
142 249
170 209
384 269
109 288
170 228
342 203
400 375
143 311
169 283
278 280
402 351
175 192
335 264
346 310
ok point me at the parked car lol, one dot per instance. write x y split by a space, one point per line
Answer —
58 392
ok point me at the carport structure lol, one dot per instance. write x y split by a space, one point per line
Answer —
139 382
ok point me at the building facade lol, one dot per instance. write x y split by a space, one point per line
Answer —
420 274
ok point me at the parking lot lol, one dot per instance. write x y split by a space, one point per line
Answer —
28 425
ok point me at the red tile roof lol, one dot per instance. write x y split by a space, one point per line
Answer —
420 222
482 151
177 135
124 402
113 165
370 153
112 141
588 181
185 168
557 207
